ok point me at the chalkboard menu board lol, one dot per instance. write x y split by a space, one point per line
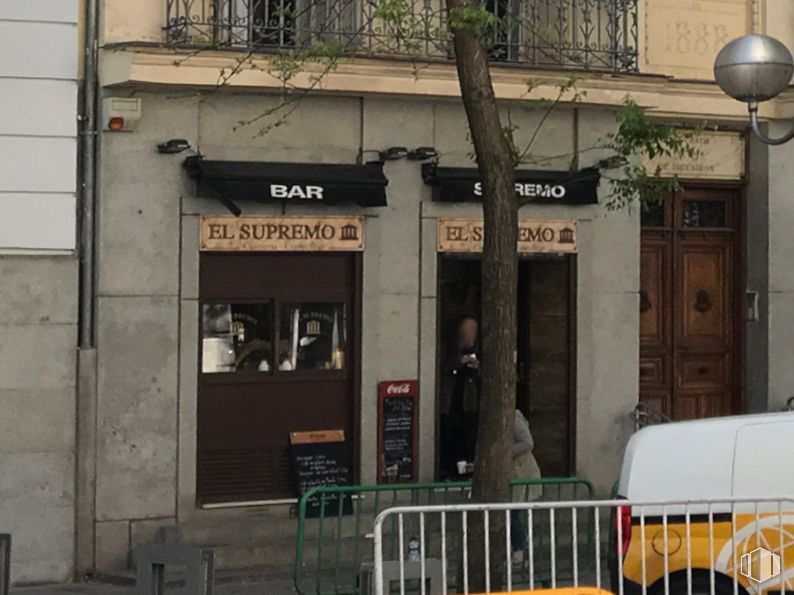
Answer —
322 459
397 412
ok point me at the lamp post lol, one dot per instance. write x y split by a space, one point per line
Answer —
752 69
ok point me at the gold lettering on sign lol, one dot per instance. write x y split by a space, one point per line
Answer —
682 37
282 234
721 158
534 236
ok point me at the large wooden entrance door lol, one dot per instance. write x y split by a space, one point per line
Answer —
690 319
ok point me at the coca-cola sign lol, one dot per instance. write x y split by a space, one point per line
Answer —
398 389
404 388
397 430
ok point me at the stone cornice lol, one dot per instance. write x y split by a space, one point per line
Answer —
665 97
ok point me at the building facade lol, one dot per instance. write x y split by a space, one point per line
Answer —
38 293
261 275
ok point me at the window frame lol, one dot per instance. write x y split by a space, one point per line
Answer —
274 374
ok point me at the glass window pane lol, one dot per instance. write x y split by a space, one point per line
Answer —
237 337
313 337
652 215
704 213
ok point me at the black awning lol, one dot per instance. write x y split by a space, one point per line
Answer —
462 184
240 181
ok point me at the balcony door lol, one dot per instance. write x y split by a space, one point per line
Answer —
691 320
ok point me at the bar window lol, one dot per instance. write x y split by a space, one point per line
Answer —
312 337
237 337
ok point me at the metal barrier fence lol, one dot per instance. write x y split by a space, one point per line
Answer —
715 547
332 548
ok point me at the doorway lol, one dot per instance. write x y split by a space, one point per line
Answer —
691 319
545 361
278 354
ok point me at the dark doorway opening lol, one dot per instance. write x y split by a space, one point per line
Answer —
545 362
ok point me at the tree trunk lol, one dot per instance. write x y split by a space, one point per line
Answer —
496 163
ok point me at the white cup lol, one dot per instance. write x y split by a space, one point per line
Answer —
462 467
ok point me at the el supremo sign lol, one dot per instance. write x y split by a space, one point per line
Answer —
534 235
286 234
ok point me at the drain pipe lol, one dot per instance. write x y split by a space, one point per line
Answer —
88 177
86 393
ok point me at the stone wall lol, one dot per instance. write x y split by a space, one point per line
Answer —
148 308
38 284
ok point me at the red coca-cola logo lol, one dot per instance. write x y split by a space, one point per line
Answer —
398 389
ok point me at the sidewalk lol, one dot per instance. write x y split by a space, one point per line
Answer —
275 587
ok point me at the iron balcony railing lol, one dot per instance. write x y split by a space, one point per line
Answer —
598 35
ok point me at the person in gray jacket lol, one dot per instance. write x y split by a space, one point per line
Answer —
524 467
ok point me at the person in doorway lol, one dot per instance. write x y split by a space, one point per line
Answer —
460 400
525 467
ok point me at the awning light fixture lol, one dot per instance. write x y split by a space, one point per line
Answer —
393 153
173 146
423 154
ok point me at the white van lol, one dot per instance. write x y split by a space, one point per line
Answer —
746 456
750 456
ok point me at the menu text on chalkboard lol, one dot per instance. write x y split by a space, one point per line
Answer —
322 459
397 413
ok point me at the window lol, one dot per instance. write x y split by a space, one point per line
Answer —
273 22
653 214
506 43
312 337
704 213
287 23
237 337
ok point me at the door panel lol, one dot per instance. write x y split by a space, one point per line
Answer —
659 401
655 321
689 335
704 313
654 371
686 406
703 372
654 299
544 361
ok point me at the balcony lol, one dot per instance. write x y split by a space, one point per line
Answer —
588 35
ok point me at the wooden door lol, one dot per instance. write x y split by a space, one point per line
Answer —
545 347
690 320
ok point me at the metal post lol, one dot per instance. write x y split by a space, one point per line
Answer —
5 563
152 560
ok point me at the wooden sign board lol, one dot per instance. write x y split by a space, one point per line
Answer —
534 236
397 431
722 157
281 234
322 459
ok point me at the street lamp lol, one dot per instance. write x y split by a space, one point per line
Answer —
755 68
